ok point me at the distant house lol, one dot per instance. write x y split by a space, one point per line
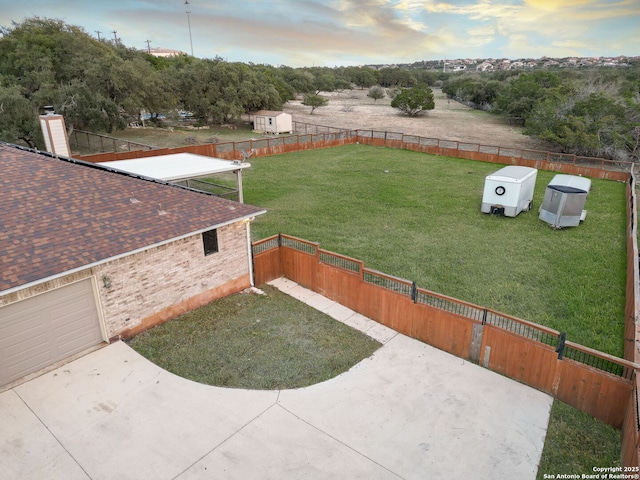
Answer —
90 254
164 52
272 122
484 67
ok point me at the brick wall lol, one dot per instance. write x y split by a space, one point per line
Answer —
144 284
158 284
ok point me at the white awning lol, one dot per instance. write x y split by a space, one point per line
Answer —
177 166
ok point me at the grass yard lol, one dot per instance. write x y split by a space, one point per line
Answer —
255 341
164 138
575 443
417 216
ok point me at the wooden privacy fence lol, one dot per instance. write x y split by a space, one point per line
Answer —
326 137
592 381
631 426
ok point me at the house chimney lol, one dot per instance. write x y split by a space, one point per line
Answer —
54 132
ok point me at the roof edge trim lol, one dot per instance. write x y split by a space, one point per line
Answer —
123 255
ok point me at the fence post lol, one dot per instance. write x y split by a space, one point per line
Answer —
414 292
484 316
561 341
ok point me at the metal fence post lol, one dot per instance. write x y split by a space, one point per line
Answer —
484 316
561 341
414 292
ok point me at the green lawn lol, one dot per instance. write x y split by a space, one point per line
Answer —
417 216
575 443
245 340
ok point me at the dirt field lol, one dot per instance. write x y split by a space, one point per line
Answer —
449 120
352 109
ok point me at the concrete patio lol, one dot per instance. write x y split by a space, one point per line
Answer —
409 411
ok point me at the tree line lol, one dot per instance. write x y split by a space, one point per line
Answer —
592 112
101 86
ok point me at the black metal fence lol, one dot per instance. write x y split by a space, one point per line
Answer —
482 315
88 142
210 187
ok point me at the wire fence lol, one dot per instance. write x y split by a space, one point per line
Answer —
94 142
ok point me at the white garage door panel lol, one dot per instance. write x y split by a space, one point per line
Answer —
47 328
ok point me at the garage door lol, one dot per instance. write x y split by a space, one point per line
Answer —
47 328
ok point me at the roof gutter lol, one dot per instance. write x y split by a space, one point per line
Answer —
126 254
100 166
139 250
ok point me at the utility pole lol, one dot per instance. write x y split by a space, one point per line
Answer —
98 32
149 46
186 2
115 36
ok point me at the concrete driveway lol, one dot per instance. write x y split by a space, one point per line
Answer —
410 411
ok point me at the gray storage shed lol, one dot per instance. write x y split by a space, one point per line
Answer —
564 199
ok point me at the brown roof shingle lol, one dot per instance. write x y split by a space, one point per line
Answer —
57 215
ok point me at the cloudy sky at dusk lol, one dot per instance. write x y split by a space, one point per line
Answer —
353 32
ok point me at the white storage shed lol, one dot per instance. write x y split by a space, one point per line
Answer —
272 122
564 199
509 191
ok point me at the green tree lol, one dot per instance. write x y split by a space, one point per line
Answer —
376 92
273 77
363 77
519 96
314 101
301 81
414 101
325 83
18 118
596 125
86 109
396 77
58 64
218 92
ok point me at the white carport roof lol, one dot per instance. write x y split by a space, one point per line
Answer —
176 166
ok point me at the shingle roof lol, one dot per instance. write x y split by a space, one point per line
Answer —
58 215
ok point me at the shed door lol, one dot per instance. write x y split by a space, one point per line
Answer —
259 123
47 328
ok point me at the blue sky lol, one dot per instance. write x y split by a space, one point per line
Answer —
354 32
